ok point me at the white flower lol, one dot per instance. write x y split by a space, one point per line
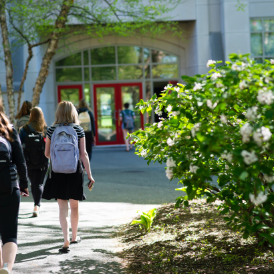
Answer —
219 85
227 156
272 61
234 67
177 89
249 157
251 113
193 169
169 108
246 131
176 113
170 163
215 75
243 65
141 107
223 119
168 86
265 97
160 124
242 84
170 142
210 62
210 105
266 133
195 128
269 179
197 86
226 166
267 80
257 137
169 173
144 153
260 199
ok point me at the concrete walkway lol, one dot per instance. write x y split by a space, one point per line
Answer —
124 184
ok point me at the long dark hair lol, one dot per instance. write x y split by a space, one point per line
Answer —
5 127
37 119
25 110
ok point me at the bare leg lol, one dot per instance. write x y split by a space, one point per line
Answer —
63 217
9 254
125 131
74 218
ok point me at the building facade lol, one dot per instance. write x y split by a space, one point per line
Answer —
115 70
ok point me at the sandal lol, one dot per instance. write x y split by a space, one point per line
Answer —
64 250
77 241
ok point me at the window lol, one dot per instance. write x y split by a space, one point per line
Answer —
262 39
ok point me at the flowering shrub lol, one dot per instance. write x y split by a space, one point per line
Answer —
220 124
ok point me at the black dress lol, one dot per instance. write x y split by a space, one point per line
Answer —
65 186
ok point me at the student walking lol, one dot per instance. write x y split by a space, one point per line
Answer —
87 122
32 136
12 163
65 147
23 115
127 117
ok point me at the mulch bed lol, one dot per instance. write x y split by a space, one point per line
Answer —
193 240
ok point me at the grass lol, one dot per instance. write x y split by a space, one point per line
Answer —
193 240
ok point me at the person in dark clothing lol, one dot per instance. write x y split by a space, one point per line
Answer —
36 175
87 122
9 205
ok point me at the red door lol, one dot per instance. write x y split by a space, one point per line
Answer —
72 93
109 100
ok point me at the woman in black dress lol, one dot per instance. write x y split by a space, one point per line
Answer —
68 187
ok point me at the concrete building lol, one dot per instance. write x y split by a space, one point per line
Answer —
116 70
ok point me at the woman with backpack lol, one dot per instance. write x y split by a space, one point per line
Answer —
23 115
32 136
65 147
127 116
12 164
87 122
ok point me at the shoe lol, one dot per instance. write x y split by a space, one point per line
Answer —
77 241
36 213
62 250
5 269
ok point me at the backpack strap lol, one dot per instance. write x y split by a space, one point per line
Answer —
27 129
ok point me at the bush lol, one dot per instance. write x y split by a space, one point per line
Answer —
220 124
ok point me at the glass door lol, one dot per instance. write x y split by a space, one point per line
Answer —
72 93
109 100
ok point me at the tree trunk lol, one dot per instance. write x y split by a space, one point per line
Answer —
2 103
8 62
24 78
53 44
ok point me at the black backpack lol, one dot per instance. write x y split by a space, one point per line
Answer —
34 149
5 162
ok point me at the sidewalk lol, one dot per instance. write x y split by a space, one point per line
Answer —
40 238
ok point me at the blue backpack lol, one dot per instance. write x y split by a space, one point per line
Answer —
128 120
64 151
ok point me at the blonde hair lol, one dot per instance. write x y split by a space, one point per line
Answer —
37 119
66 113
83 104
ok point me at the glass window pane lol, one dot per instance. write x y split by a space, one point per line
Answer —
70 94
131 95
106 114
146 55
256 44
129 55
69 75
87 94
72 60
147 71
269 43
159 56
103 56
86 59
86 74
130 72
165 71
269 24
103 73
259 60
256 25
